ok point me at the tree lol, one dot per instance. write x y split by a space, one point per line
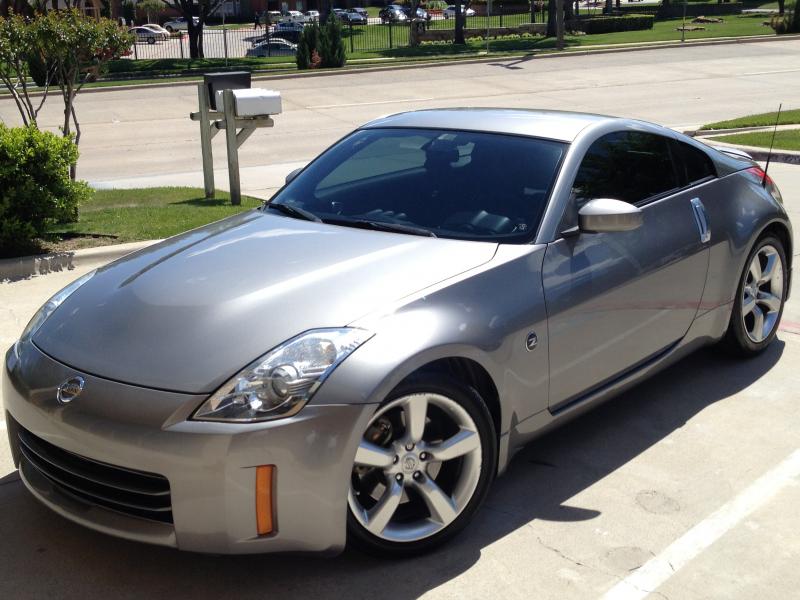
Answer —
413 35
560 24
17 47
204 8
460 18
331 44
151 7
60 48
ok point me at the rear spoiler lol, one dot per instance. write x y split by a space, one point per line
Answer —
734 152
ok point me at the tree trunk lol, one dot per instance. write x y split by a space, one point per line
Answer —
782 6
413 34
460 17
195 38
560 24
569 14
116 10
609 8
551 19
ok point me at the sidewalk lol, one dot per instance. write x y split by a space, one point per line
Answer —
259 182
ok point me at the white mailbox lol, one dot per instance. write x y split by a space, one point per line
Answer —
253 102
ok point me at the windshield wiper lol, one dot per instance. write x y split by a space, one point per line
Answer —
294 211
382 226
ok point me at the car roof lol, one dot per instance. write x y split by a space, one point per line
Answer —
551 124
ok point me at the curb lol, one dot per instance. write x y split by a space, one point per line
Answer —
25 267
467 61
735 130
781 156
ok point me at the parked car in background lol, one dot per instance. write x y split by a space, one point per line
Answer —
179 24
313 15
159 28
273 47
450 12
392 14
289 31
421 13
353 17
294 16
274 16
146 35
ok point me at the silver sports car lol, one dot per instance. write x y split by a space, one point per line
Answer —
359 358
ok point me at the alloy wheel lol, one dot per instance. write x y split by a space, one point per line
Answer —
762 294
416 468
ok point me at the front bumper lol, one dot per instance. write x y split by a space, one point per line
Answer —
210 466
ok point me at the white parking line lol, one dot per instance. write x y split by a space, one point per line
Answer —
660 568
770 72
370 103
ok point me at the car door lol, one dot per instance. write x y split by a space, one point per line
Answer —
616 301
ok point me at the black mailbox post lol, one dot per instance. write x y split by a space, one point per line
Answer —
217 82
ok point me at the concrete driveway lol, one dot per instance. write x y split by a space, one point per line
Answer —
686 486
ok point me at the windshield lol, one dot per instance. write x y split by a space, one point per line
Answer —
452 184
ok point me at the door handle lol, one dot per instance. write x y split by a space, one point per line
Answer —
701 219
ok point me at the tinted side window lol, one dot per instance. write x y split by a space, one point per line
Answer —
693 164
626 165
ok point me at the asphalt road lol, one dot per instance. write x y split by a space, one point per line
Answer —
147 132
686 486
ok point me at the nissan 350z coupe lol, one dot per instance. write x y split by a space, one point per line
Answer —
357 359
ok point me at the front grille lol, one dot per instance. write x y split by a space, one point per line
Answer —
134 493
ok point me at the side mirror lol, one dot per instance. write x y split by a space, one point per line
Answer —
605 215
293 174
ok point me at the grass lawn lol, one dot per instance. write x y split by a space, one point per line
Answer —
788 117
788 139
118 216
368 37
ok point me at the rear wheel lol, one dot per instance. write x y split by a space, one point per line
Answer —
422 469
759 300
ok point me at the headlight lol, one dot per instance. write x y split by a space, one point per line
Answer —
280 383
47 309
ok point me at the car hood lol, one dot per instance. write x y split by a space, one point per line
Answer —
188 313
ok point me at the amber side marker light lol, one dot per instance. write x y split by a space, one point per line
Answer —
265 475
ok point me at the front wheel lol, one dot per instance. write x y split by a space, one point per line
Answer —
759 301
422 469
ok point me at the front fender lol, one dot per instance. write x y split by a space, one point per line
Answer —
485 315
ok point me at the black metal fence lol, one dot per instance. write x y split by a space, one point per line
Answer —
373 37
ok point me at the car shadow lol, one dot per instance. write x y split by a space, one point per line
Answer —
45 555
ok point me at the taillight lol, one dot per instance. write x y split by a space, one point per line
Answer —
758 175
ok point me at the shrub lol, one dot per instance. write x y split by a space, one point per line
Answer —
307 45
331 44
786 23
612 24
35 187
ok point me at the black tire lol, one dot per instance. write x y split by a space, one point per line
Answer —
151 40
736 340
473 404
